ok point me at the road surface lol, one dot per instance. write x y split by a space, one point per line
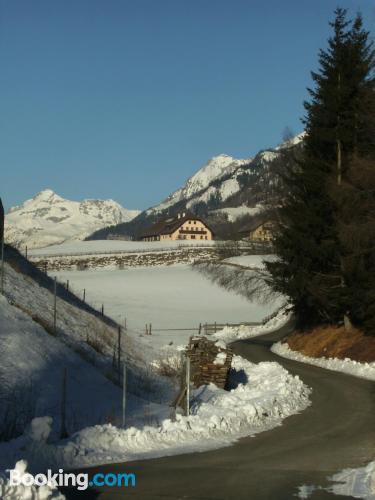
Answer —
335 432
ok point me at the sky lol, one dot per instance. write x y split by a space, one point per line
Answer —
125 99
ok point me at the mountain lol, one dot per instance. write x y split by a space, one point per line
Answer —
49 219
216 167
225 190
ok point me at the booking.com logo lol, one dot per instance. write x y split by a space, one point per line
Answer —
81 481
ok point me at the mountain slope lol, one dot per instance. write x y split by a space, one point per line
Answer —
49 219
214 169
223 190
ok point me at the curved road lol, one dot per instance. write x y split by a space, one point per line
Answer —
335 432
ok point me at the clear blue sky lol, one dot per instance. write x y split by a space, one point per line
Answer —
125 99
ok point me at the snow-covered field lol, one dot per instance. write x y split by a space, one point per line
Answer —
356 368
108 246
170 297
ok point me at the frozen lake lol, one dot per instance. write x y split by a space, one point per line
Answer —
170 297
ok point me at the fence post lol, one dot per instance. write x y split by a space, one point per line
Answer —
200 329
125 323
54 304
63 431
102 311
119 352
146 333
150 329
215 326
187 385
45 267
123 393
84 295
67 285
26 252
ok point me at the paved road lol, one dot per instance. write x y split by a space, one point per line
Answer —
336 432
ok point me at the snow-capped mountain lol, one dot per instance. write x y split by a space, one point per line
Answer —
49 219
216 168
223 187
223 176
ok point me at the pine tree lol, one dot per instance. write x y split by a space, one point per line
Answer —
312 267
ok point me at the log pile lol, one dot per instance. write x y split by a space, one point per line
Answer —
210 362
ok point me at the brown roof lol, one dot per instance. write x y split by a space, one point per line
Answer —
254 225
169 226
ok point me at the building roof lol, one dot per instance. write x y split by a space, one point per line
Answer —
169 226
252 226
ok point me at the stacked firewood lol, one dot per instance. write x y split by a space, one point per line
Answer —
210 362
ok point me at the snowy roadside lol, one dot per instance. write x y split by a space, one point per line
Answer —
349 366
231 334
354 483
21 492
264 396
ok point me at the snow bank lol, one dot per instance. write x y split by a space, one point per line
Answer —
231 334
357 483
267 395
349 366
21 492
354 483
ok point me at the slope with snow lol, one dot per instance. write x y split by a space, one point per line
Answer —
49 219
216 168
31 370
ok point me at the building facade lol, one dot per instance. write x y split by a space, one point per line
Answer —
261 232
183 227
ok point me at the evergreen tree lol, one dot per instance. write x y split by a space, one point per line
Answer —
311 269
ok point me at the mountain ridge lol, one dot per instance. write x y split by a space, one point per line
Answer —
48 219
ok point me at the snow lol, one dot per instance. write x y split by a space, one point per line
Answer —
218 418
220 358
114 246
251 261
231 334
170 297
214 169
349 366
353 483
21 492
357 483
32 364
50 219
40 428
235 213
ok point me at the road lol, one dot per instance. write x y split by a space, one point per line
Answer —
335 432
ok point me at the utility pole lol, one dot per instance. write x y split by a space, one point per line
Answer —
187 385
119 352
123 394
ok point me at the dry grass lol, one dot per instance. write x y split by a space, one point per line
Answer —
334 342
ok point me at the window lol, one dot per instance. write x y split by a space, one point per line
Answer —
193 236
195 222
